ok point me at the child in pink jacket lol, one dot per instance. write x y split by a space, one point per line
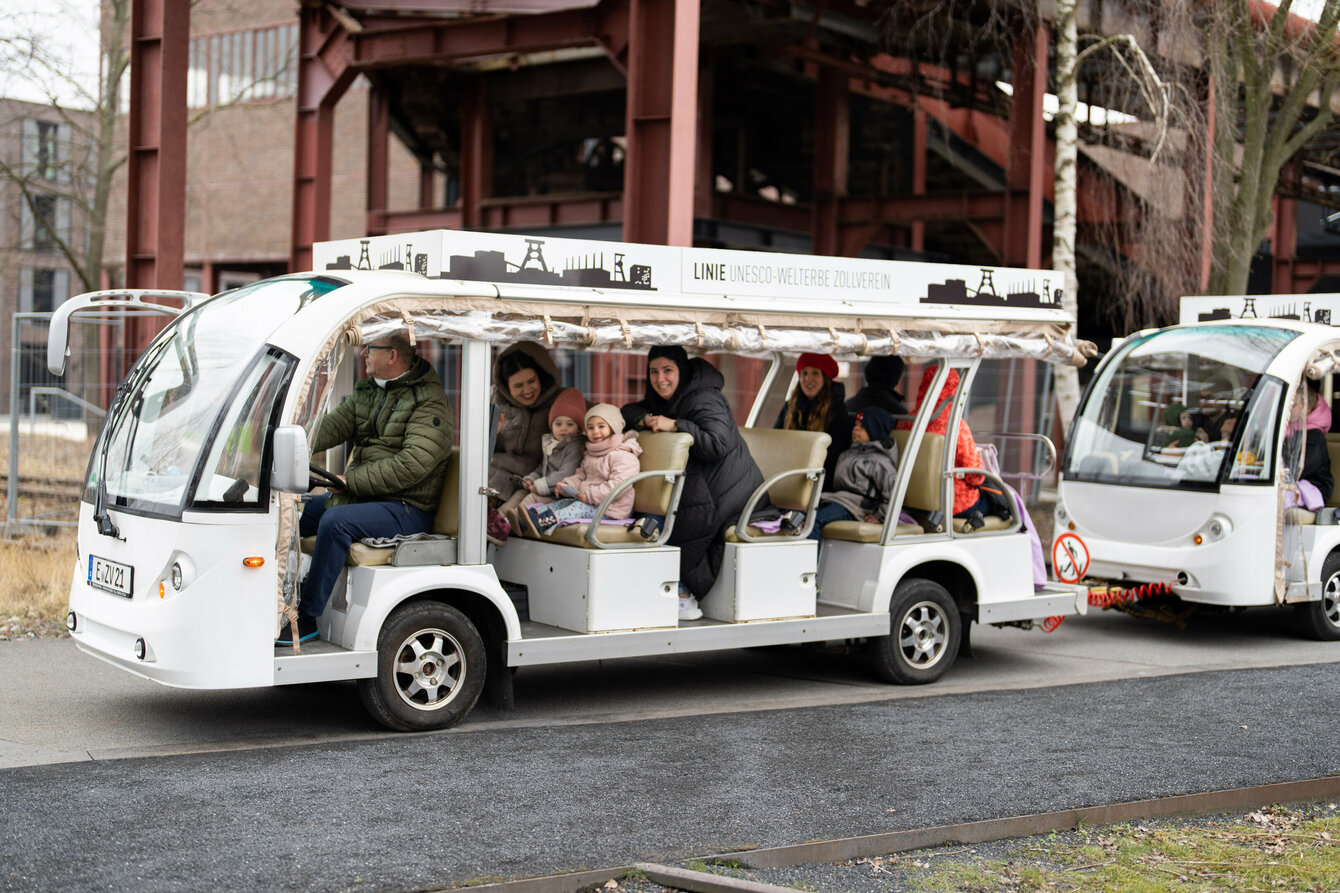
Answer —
611 457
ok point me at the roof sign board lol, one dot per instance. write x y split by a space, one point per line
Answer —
681 274
1321 308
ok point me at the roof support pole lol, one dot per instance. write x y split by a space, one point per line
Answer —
661 121
1027 167
379 132
319 89
156 165
476 153
832 140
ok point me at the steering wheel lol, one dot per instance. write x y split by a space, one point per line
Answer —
322 478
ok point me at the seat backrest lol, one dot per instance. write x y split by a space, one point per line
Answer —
1333 448
776 451
448 516
924 490
661 451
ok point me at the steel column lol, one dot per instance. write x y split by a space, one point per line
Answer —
476 153
156 163
662 126
319 89
1027 166
379 133
1283 243
919 137
832 133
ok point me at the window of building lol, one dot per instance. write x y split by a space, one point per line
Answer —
44 150
42 290
45 222
241 66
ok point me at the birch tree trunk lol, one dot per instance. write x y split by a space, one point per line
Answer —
1064 209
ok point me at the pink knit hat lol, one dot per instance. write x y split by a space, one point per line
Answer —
570 403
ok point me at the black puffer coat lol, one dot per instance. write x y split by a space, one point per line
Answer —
720 474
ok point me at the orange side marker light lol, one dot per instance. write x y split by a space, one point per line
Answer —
253 561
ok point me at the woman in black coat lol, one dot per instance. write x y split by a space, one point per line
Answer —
685 395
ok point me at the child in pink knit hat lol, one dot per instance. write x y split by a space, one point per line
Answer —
611 458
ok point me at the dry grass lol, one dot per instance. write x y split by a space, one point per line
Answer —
36 570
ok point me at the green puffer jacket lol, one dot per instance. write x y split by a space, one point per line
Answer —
401 437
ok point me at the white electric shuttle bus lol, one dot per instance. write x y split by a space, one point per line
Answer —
1183 461
189 558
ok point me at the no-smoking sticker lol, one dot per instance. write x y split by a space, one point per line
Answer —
1070 558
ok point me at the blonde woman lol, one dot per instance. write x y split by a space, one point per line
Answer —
818 403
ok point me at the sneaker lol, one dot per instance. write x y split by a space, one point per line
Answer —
306 631
540 519
497 528
688 608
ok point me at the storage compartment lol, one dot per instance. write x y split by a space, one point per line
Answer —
780 582
594 590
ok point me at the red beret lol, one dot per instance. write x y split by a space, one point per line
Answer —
824 363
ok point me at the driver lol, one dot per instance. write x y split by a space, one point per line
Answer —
399 424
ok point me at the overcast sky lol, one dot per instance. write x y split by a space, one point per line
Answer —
66 30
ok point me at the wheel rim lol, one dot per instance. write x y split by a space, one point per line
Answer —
923 635
429 669
1330 601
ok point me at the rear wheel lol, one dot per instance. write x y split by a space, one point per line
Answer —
1321 619
924 633
430 668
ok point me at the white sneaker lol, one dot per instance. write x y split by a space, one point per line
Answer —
688 608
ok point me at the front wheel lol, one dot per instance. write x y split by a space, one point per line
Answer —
430 668
1321 619
923 635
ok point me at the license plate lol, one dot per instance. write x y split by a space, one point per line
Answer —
110 576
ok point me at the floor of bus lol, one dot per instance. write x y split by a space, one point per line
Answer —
532 630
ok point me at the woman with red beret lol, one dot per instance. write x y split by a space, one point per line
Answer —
819 404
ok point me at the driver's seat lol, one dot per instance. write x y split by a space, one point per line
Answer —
441 549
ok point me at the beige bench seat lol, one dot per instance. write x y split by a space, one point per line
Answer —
792 463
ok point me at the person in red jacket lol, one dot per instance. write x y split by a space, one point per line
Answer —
968 497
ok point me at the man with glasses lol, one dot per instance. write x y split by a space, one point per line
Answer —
399 426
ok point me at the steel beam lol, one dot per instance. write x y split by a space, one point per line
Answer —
476 153
832 141
322 80
156 163
379 133
662 121
1027 167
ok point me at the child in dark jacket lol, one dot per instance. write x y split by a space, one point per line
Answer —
865 473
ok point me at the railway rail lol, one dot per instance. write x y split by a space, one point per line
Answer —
867 846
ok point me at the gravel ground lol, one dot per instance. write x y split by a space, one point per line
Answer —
31 626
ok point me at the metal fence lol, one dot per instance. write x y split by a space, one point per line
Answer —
53 421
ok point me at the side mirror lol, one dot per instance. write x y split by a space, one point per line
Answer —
289 468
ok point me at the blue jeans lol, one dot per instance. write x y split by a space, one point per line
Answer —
827 513
336 529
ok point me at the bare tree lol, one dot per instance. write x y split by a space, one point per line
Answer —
1275 81
90 154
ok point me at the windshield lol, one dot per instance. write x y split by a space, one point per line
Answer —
171 401
1170 409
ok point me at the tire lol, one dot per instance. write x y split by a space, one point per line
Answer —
924 633
1321 619
431 664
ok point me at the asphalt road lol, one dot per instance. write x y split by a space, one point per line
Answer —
652 760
